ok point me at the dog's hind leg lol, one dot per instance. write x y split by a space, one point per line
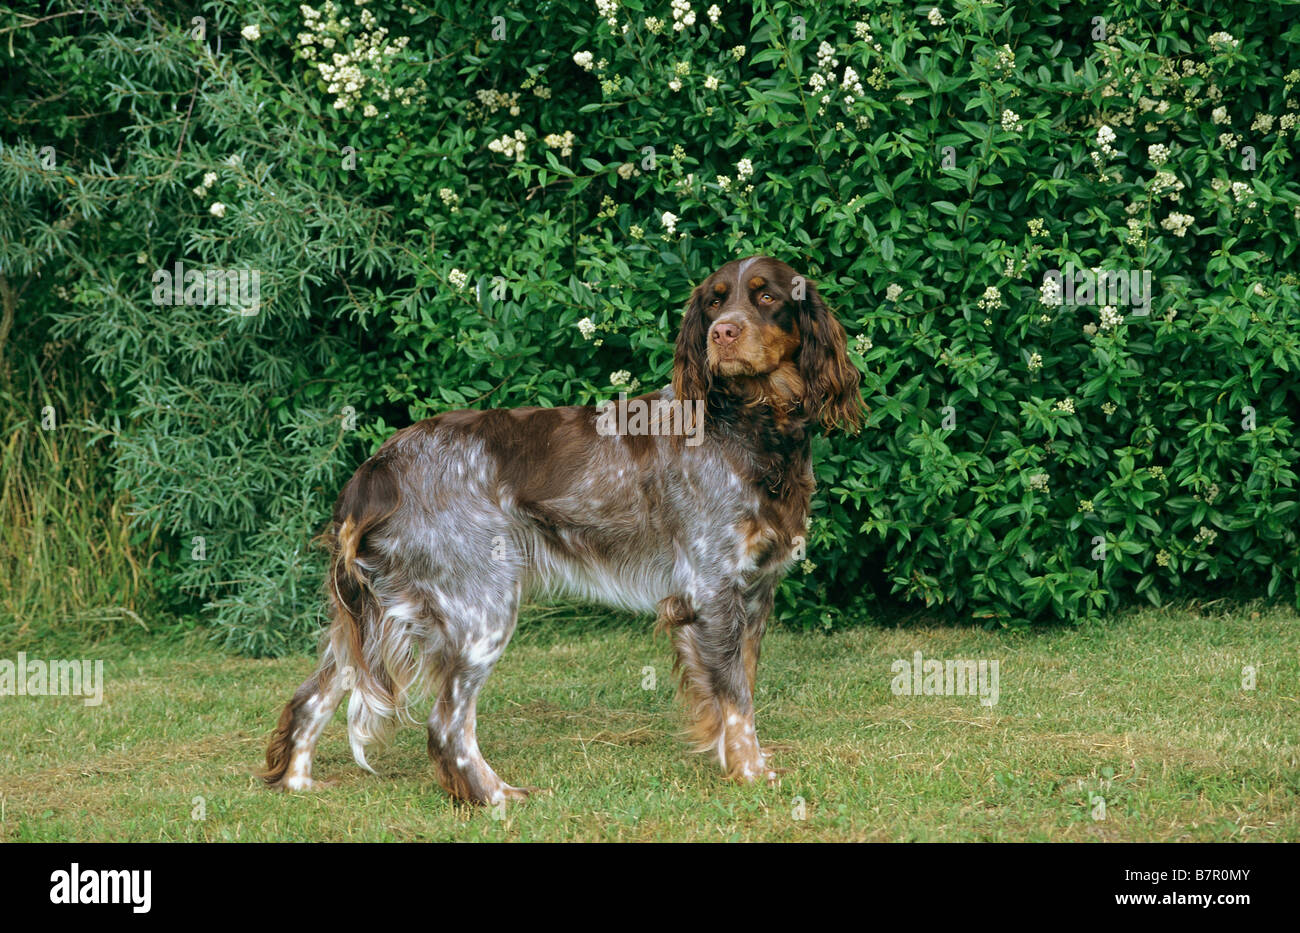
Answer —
468 656
288 757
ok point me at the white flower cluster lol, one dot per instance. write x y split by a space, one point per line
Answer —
863 32
587 328
669 221
216 209
1011 121
563 142
252 32
362 61
822 81
494 100
850 83
450 199
1065 405
1035 362
1158 153
583 60
1223 40
744 168
608 9
1220 115
935 17
1005 59
893 292
1240 190
715 14
683 15
826 59
992 299
1166 181
1263 123
458 278
1147 105
1104 150
1038 482
1137 234
1177 223
1110 318
511 146
862 343
1049 295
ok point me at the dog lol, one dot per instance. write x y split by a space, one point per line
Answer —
694 511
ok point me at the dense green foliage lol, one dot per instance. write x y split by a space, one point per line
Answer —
458 210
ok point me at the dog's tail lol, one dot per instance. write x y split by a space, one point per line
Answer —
354 654
358 634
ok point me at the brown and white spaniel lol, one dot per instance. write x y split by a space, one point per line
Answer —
690 501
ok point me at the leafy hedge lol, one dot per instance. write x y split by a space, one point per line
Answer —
508 205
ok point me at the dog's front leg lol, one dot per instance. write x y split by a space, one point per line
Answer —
717 655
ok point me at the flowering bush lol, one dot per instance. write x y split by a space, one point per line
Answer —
1063 239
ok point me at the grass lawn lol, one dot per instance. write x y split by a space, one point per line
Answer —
1146 711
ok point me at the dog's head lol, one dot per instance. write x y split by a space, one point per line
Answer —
758 327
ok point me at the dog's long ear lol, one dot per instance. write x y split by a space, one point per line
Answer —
830 378
691 376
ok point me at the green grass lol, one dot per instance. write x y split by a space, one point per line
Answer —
1146 710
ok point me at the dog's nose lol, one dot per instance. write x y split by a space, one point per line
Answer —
725 332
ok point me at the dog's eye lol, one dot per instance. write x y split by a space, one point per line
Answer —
715 302
766 298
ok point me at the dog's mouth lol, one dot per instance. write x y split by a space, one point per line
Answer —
731 364
744 360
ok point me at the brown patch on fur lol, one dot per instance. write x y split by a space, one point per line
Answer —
761 542
757 282
750 648
673 611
